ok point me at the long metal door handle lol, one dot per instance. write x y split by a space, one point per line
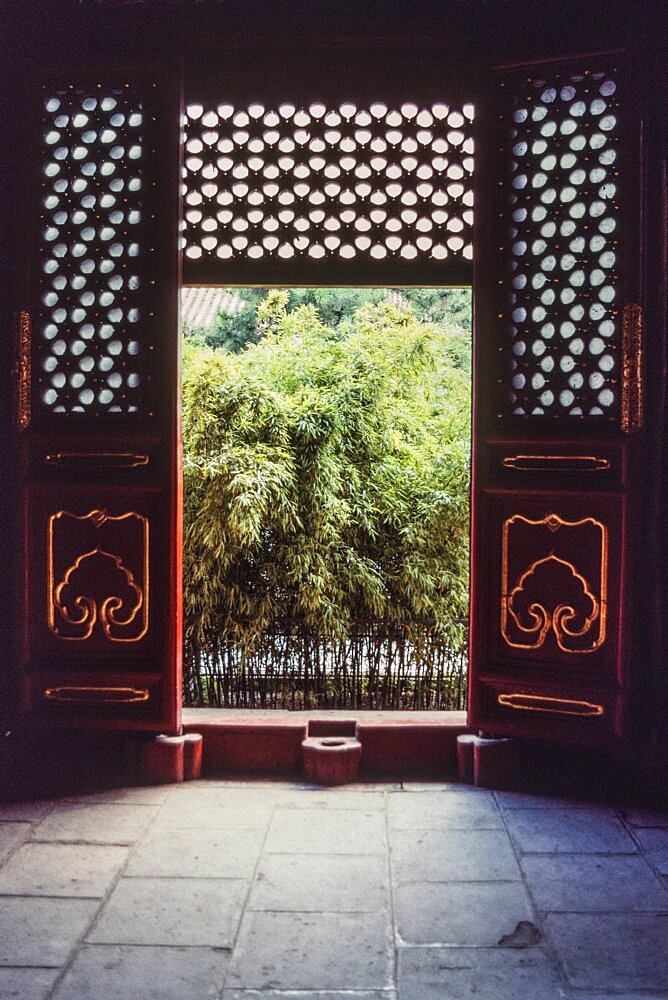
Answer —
96 459
75 695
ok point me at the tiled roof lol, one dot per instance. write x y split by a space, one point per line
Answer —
200 306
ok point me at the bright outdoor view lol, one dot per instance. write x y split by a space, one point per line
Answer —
327 443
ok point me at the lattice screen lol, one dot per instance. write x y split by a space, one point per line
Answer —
323 182
89 351
563 216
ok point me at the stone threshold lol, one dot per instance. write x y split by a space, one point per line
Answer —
395 745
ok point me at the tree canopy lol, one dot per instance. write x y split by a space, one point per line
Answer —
326 469
234 330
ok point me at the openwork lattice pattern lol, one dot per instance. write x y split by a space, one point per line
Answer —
88 349
333 182
562 314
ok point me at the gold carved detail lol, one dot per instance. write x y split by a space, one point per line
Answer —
96 459
96 589
77 695
550 706
550 595
556 463
632 368
23 370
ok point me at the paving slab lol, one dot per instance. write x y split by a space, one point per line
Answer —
646 817
529 800
27 812
190 807
654 842
616 952
144 973
309 995
171 911
596 883
11 835
95 823
317 882
27 984
341 797
472 914
318 951
443 810
331 831
577 831
452 855
197 854
37 869
146 795
626 995
38 931
477 974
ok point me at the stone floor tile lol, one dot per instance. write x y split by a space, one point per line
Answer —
618 952
580 831
342 797
646 817
95 823
26 984
171 911
190 807
528 800
477 974
11 835
309 995
40 931
331 831
197 854
145 795
633 995
452 855
25 812
318 951
467 914
144 973
37 869
654 843
317 882
440 786
592 883
443 810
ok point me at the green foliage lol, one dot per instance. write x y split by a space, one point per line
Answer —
326 474
449 308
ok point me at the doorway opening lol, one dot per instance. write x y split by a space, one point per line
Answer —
326 466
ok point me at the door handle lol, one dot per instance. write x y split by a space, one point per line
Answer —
75 695
96 459
556 463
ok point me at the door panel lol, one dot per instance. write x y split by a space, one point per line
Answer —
558 411
96 408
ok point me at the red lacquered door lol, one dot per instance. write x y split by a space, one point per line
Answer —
559 408
96 591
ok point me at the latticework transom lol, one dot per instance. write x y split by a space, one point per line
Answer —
93 294
328 182
562 222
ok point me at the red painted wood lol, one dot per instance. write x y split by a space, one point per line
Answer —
97 585
552 493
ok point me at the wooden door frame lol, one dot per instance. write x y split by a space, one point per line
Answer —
41 38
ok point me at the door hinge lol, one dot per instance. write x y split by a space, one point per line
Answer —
23 370
632 369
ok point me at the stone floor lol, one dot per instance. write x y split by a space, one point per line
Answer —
368 892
